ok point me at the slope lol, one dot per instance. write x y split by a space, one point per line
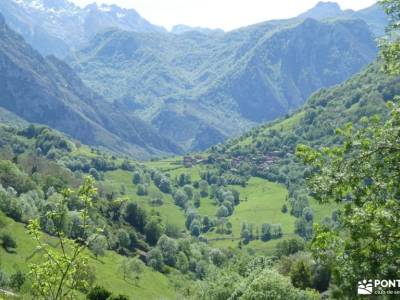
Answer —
47 91
374 15
58 26
199 89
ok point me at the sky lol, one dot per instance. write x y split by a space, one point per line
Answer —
225 14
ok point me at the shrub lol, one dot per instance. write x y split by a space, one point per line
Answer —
8 242
98 293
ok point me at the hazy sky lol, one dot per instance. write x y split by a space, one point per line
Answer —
225 14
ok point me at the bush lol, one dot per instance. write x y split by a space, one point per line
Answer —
11 176
269 285
17 280
8 242
301 275
98 293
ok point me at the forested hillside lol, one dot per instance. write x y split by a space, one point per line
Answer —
199 88
47 91
303 207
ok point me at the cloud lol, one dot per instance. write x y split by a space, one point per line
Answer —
226 14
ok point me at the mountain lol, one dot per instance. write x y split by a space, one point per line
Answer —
374 15
268 151
57 26
324 10
10 119
47 91
179 29
365 94
198 89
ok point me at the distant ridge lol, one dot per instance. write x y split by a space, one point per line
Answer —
47 91
58 26
374 15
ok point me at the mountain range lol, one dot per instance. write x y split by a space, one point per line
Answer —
47 91
135 88
197 89
374 15
58 26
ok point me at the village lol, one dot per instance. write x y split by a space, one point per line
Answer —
262 161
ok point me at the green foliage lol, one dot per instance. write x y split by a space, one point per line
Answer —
135 215
98 293
155 259
11 176
111 67
300 275
153 230
182 262
362 174
98 244
131 268
269 285
58 276
17 280
390 46
289 247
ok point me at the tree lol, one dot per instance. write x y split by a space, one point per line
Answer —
196 199
131 268
182 262
276 231
267 284
300 274
168 248
153 231
135 215
142 190
137 178
362 174
245 234
289 247
57 276
188 189
203 186
390 46
98 244
94 173
184 179
206 223
180 198
195 228
308 214
217 257
124 241
165 185
222 212
155 259
265 232
303 228
284 209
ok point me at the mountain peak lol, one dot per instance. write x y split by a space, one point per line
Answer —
327 4
323 10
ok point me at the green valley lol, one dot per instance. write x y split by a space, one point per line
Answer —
260 163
